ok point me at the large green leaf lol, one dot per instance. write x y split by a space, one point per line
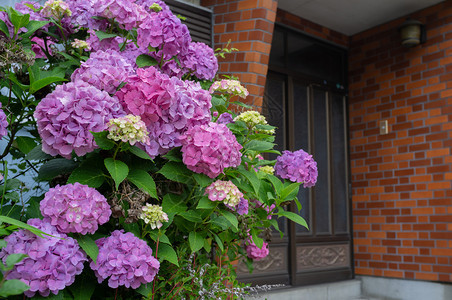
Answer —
290 191
176 172
102 141
205 203
56 167
191 216
4 28
117 169
173 203
252 178
13 259
37 154
23 225
293 217
40 83
256 145
145 60
256 239
196 241
232 219
143 181
88 245
13 287
103 35
32 26
166 252
88 175
83 287
140 153
25 143
202 180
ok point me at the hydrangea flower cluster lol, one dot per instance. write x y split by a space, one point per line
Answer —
253 118
225 191
125 12
297 166
190 107
3 123
56 9
104 70
82 13
75 208
267 169
105 44
129 129
66 116
254 252
52 262
153 215
164 31
225 118
79 44
209 149
147 94
242 207
200 59
229 86
40 45
153 5
126 259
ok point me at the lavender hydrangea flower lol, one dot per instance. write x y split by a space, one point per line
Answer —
165 31
200 60
242 207
52 262
297 166
105 70
209 149
106 44
66 116
191 106
146 4
75 208
83 13
3 123
126 13
125 260
225 191
254 252
225 118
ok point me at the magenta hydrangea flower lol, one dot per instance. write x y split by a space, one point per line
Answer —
147 94
39 46
105 70
52 262
125 12
209 149
254 252
297 166
83 13
106 44
75 208
190 107
126 259
165 31
4 17
66 116
200 60
147 3
3 123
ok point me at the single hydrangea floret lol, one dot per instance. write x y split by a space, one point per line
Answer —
253 118
52 262
209 149
229 86
129 129
153 215
3 123
125 260
297 166
75 208
224 191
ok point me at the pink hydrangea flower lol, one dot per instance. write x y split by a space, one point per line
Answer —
75 208
106 44
39 46
200 60
209 149
105 70
125 12
254 252
297 166
225 191
52 262
146 4
125 260
3 123
66 116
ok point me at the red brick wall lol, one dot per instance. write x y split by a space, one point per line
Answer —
402 197
249 25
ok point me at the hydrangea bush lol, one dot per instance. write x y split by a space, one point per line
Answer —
148 183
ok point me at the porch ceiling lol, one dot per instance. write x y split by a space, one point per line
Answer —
352 16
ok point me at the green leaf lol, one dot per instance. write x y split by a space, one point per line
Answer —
255 145
191 216
33 210
102 141
4 28
276 182
219 242
117 169
145 60
88 245
25 144
241 104
173 204
11 184
232 219
37 154
23 225
13 287
13 259
205 203
83 287
56 167
290 191
155 235
17 19
196 241
252 178
88 175
140 153
176 172
256 239
143 181
166 252
103 35
133 228
39 84
174 155
221 222
293 217
32 26
202 180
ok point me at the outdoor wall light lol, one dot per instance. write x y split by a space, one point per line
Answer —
412 33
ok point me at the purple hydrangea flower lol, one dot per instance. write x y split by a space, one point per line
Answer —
209 149
147 3
191 106
75 208
242 207
40 45
105 70
52 262
254 252
66 116
164 31
147 94
83 13
106 44
225 118
126 259
125 12
5 18
297 166
200 60
3 123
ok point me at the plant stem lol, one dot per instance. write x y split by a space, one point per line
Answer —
156 252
